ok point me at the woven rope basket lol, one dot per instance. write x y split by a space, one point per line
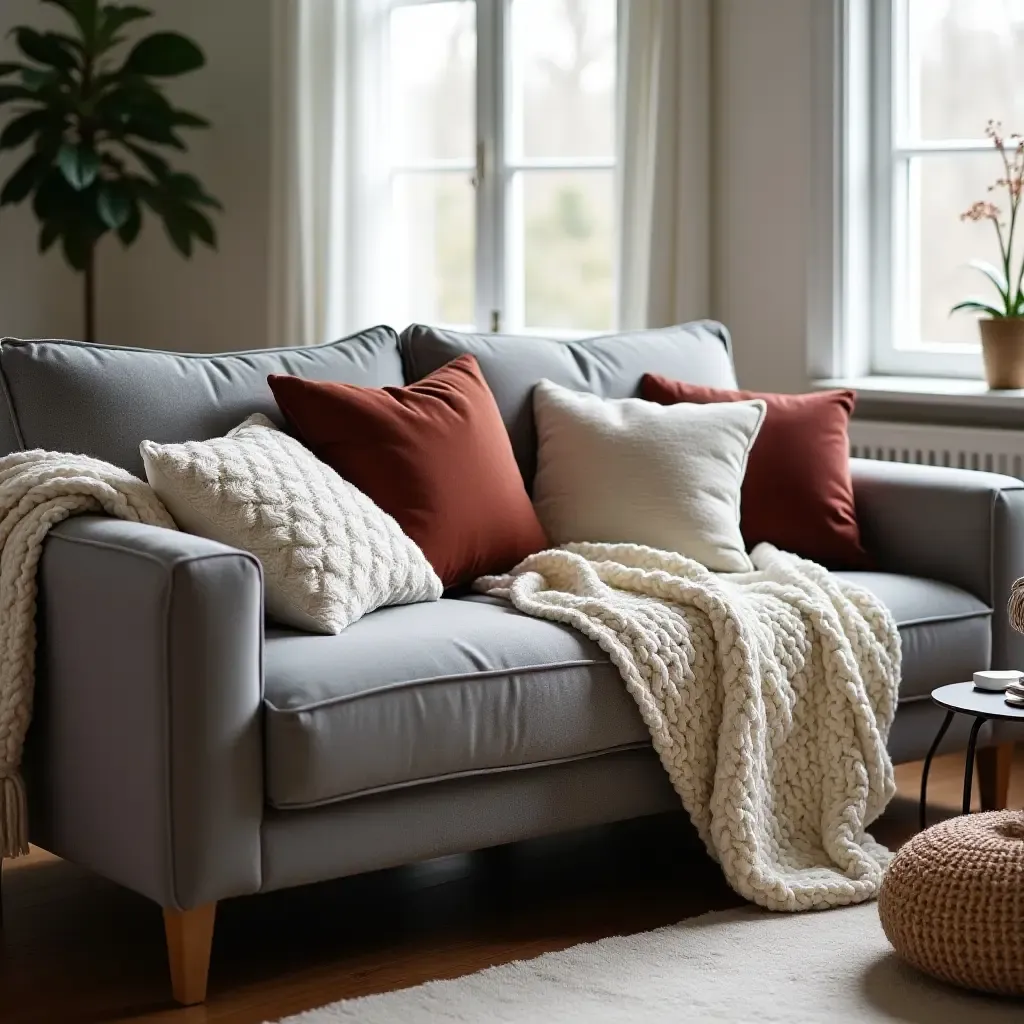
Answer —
1015 606
952 901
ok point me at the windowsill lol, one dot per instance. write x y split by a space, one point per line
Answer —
947 392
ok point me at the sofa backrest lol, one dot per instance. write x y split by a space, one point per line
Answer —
104 400
610 366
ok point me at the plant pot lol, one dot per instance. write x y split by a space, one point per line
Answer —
1002 348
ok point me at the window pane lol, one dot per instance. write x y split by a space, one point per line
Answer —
565 237
434 248
965 66
945 187
563 78
432 81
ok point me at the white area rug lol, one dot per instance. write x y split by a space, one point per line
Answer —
744 965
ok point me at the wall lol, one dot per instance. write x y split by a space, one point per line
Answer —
39 296
761 185
149 295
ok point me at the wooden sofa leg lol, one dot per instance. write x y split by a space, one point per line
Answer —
189 941
994 765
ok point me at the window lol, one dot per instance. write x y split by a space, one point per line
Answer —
941 69
498 149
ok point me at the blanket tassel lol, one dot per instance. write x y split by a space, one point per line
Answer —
13 814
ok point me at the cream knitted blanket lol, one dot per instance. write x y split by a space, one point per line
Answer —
768 695
38 490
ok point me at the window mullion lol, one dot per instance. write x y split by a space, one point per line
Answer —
887 68
490 191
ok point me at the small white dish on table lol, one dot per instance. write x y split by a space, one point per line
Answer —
996 680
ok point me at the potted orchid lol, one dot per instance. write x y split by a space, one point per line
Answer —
1002 323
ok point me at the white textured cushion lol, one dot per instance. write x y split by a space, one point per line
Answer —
629 471
329 554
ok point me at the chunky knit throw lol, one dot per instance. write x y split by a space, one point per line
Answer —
38 490
769 696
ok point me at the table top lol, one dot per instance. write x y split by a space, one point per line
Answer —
968 700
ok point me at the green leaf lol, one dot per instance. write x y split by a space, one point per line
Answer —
115 17
164 54
132 95
36 80
48 234
78 246
79 165
178 232
187 187
183 119
996 276
151 131
113 205
49 139
130 229
55 199
23 180
45 48
153 162
15 92
184 186
84 13
22 128
200 226
977 306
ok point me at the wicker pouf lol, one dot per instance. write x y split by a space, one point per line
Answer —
952 902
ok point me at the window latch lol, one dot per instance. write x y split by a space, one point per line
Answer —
481 166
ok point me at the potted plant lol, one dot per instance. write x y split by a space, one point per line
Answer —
1002 323
97 125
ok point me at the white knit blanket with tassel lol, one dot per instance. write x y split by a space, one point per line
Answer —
39 489
769 696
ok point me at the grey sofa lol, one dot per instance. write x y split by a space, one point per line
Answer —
187 749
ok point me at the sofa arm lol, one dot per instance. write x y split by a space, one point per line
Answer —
954 525
144 760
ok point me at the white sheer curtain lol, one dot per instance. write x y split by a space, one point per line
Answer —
328 246
307 154
664 161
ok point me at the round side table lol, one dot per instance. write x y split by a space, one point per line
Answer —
965 699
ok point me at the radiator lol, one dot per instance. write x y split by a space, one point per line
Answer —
995 451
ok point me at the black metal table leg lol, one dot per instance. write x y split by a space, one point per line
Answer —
972 743
922 811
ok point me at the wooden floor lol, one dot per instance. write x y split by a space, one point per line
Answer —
78 950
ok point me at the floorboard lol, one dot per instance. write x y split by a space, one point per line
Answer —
79 950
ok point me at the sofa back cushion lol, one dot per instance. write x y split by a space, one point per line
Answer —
104 400
610 366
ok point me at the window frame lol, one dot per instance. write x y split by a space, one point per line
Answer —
895 157
499 287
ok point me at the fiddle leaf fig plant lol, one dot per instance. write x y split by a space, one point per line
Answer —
95 133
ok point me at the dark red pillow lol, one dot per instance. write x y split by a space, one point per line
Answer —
435 455
798 493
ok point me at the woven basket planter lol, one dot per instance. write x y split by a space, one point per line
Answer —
952 902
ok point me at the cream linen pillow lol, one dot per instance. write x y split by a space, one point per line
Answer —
629 471
329 554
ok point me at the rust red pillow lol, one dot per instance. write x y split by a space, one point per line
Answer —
797 493
435 455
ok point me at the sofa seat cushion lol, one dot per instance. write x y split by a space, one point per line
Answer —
420 693
417 694
946 632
